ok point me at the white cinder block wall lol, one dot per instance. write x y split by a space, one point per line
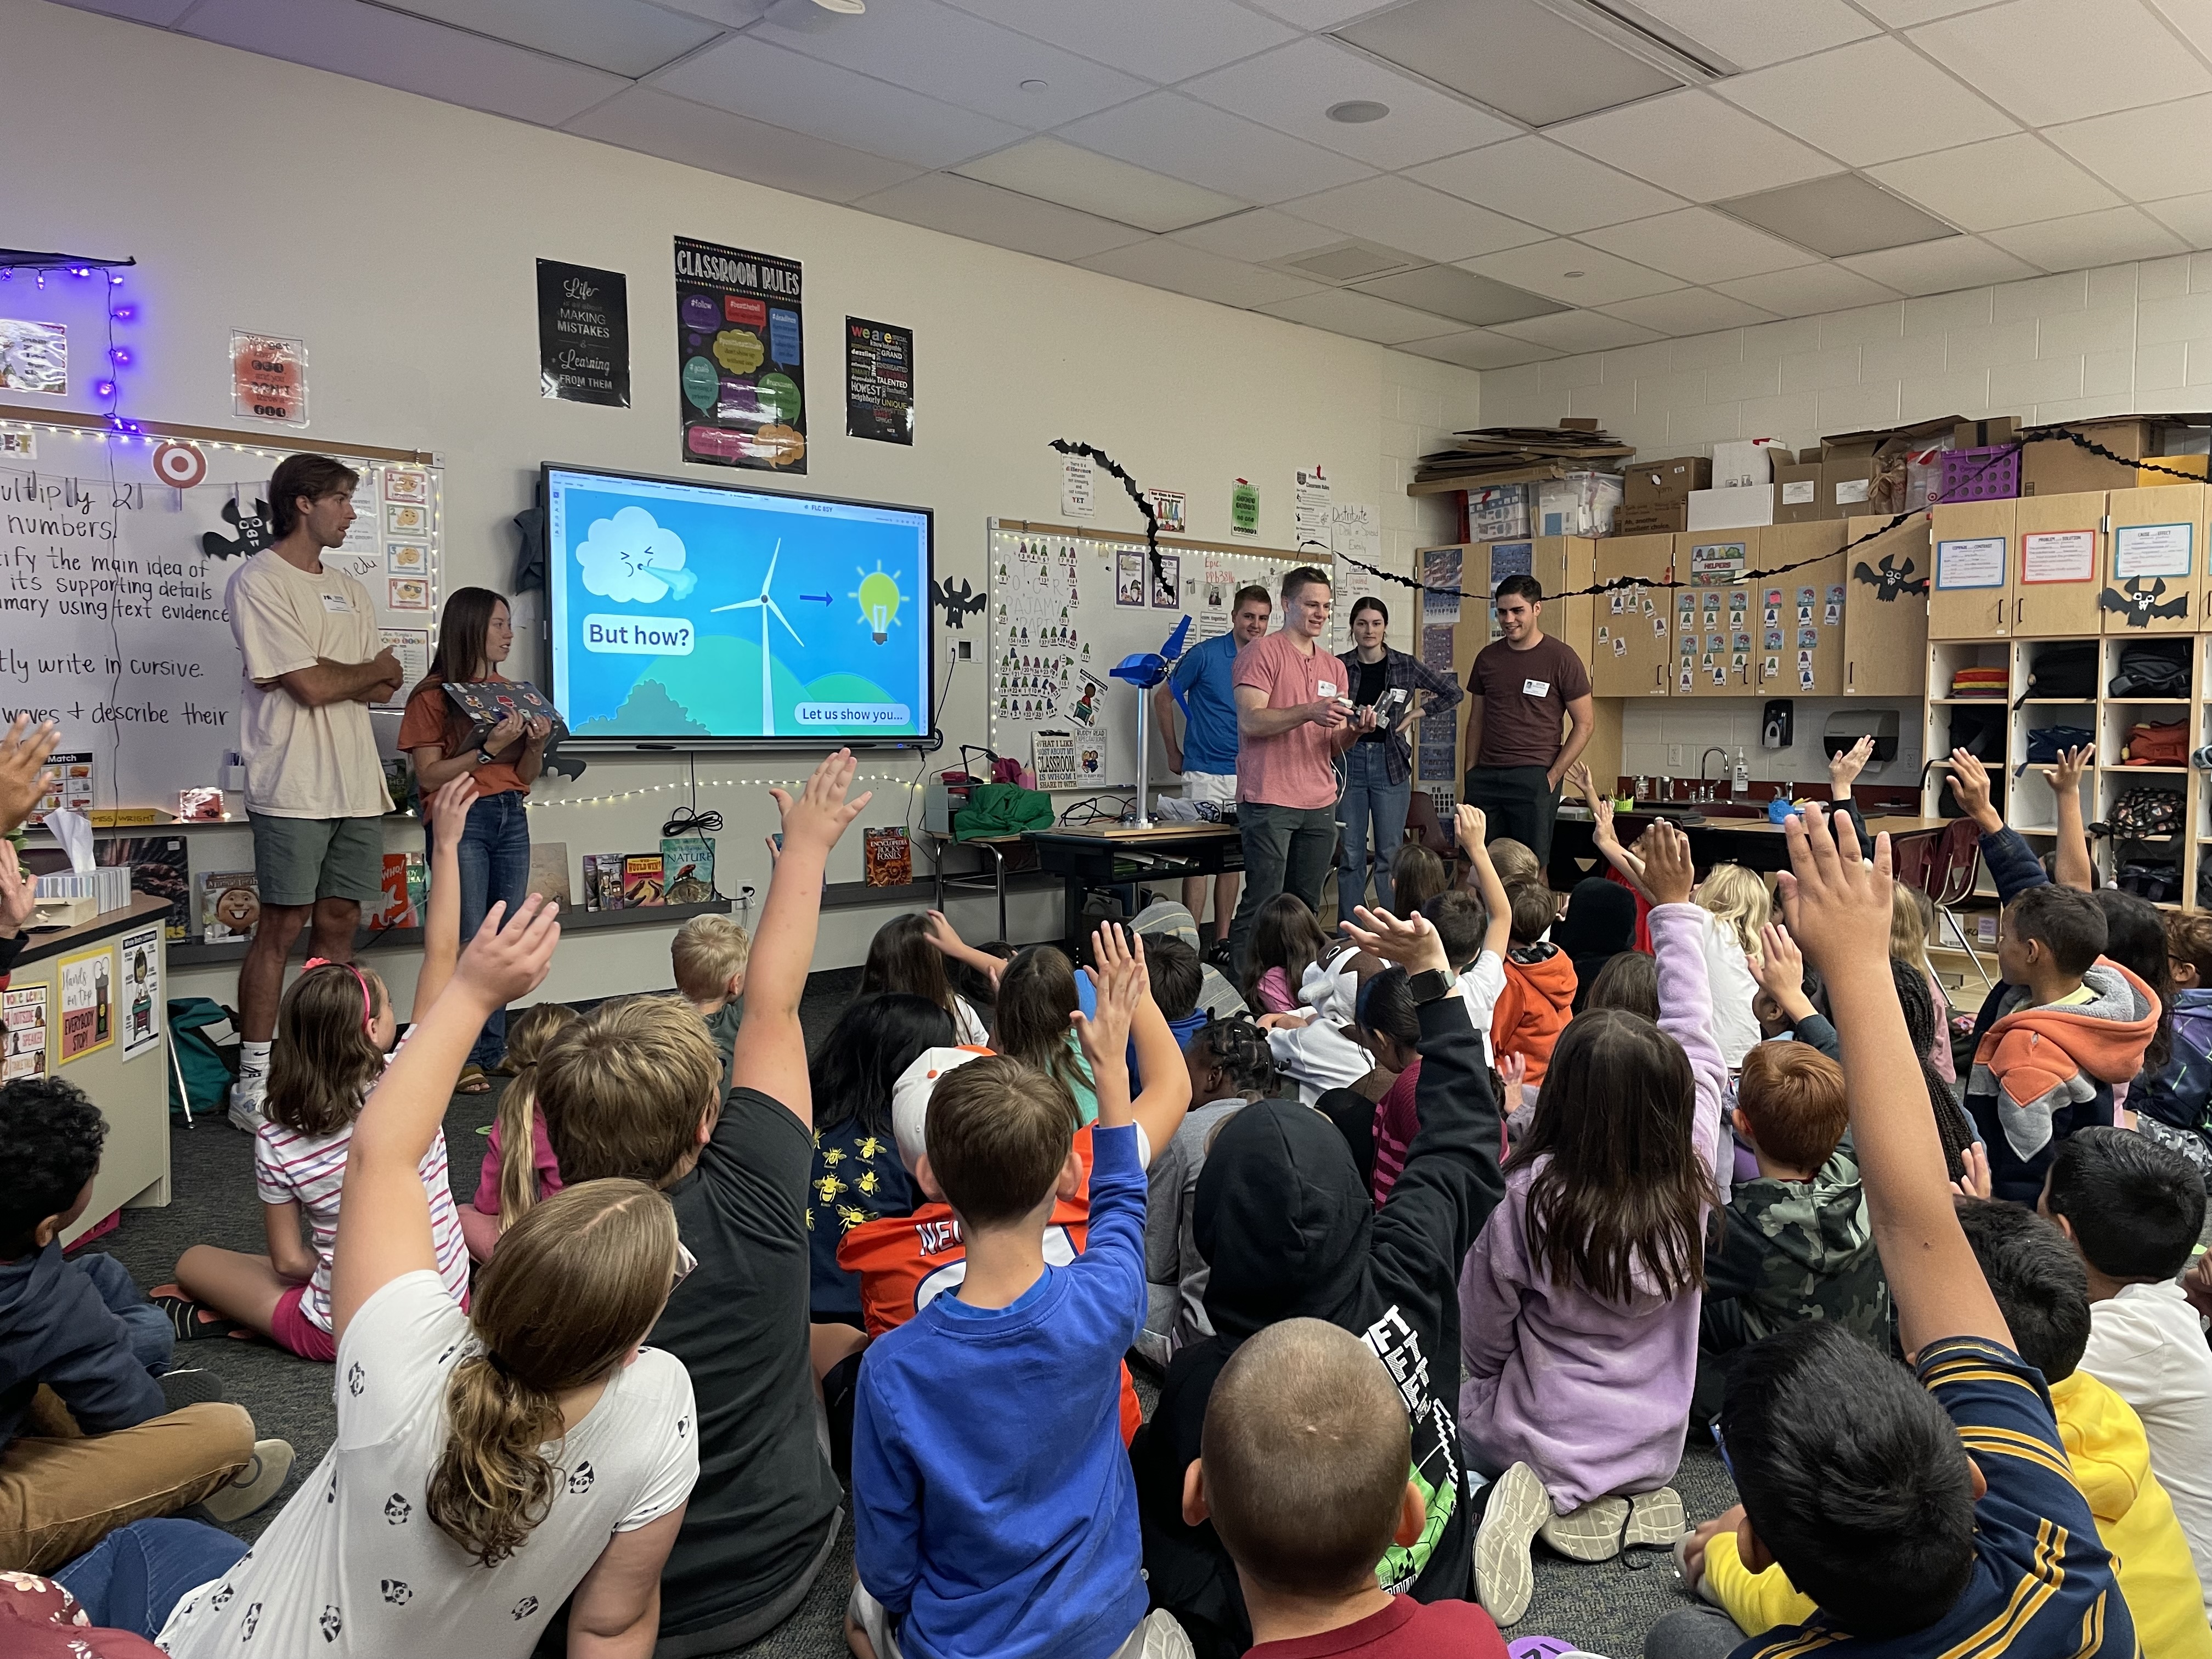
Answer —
2117 340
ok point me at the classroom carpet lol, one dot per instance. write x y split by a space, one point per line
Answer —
1604 1609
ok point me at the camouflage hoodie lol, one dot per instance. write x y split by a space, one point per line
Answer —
1796 1251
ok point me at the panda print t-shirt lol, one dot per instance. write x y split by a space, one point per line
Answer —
355 1566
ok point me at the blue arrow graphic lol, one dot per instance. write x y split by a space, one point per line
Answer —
823 598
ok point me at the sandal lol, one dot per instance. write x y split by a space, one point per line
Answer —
472 1080
192 1320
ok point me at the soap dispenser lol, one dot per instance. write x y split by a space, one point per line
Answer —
1742 773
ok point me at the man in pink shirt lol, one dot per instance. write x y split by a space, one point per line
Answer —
1293 717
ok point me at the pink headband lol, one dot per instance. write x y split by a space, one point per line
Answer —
367 999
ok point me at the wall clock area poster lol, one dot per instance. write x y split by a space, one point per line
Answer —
583 334
738 340
878 381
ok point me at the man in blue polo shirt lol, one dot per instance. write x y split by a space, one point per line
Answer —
1207 753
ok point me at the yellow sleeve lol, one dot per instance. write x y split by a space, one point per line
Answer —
1757 1601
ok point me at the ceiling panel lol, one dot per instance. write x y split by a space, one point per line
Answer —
1293 87
1159 262
762 80
1579 330
1186 139
981 213
2158 152
1752 33
1873 102
1806 289
1904 13
1319 14
1259 234
1699 246
1480 348
1599 277
1689 311
2064 60
372 44
931 49
1956 262
623 37
1402 214
2089 239
2003 181
1162 40
1542 183
1694 144
1052 171
641 118
160 13
1517 56
1340 311
2189 217
1448 291
1844 213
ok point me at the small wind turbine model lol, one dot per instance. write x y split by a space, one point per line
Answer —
762 602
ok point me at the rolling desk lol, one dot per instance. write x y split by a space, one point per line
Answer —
1089 856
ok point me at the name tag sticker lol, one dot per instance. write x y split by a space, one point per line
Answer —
1327 688
337 602
1535 688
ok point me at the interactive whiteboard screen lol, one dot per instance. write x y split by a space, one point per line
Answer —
686 613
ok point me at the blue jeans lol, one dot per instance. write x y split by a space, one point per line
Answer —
152 1338
133 1578
1368 796
494 855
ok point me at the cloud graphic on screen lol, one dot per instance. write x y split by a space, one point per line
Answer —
631 556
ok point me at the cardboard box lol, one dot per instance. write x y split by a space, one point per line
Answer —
2192 464
2055 467
1665 484
1797 496
1731 509
1985 435
1847 485
1874 441
1498 513
1742 464
1660 519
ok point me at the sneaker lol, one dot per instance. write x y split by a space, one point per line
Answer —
1654 1519
1505 1578
246 1109
1591 1532
253 1487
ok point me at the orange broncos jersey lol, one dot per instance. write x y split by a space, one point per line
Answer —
904 1261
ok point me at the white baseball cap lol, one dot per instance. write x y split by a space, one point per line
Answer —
910 1096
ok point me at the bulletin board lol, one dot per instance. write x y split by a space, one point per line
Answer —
116 551
1060 618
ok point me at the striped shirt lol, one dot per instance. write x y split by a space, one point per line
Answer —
310 1170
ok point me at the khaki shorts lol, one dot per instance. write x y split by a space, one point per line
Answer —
1157 1636
1219 787
299 861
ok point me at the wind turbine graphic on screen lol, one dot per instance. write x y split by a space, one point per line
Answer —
763 603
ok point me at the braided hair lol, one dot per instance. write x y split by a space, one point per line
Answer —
1919 1004
1240 1048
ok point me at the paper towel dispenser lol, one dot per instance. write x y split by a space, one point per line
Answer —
1846 726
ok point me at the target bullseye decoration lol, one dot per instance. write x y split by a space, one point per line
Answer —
180 466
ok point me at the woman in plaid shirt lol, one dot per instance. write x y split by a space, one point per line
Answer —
1377 771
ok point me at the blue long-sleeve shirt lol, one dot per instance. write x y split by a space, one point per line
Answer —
993 1506
55 1329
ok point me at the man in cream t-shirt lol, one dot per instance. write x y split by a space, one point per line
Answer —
314 788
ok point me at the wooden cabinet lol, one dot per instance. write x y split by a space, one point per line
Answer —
1971 593
1716 620
1884 628
1633 655
2058 559
2154 578
1799 615
1563 564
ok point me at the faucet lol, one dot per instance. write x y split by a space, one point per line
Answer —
1713 750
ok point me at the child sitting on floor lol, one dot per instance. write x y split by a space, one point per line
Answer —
907 955
1739 905
519 1165
1176 978
1302 1468
2173 1105
1417 875
1287 941
1037 996
708 954
1539 996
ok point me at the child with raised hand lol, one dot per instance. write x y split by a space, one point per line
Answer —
1482 970
1597 1251
334 1029
993 1511
519 1166
908 955
487 1466
1922 1516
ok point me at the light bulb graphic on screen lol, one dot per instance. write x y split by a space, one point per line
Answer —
763 603
879 598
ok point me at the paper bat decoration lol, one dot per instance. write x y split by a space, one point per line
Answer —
2141 604
957 603
1889 581
254 533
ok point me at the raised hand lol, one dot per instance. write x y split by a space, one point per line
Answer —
1512 1071
1122 983
1470 826
819 813
1969 783
1975 1182
1578 780
1668 870
19 892
508 958
1838 907
449 810
1413 944
1844 769
24 776
2068 772
1779 968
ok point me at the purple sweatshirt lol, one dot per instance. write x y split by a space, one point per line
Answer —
1593 1395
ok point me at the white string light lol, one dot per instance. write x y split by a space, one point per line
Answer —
880 780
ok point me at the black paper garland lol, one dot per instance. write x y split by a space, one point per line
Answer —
1151 519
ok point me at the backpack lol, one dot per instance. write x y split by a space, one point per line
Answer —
2044 743
2153 668
205 1035
2064 671
2159 883
2164 744
2145 815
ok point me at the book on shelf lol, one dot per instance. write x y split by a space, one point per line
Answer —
687 866
644 881
230 905
890 856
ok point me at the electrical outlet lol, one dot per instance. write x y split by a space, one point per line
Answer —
965 651
1675 757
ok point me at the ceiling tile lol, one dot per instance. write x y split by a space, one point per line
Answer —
1751 34
2158 152
1844 213
372 44
1545 184
1360 315
1319 14
2089 239
1542 269
1535 63
1480 349
946 201
1186 139
1904 13
2057 60
1873 102
1259 234
1159 262
1293 87
1699 246
756 78
623 37
1688 310
2189 217
1448 291
1052 171
1808 288
931 49
2191 19
1956 262
1579 330
641 118
1402 214
1694 144
2004 181
160 13
1162 40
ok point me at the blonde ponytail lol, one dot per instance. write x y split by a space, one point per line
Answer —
517 1147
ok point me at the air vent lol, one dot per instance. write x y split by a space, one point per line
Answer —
1344 263
1840 214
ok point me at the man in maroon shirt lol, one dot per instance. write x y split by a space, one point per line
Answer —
1522 689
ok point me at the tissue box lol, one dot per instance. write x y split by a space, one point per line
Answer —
104 887
65 912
